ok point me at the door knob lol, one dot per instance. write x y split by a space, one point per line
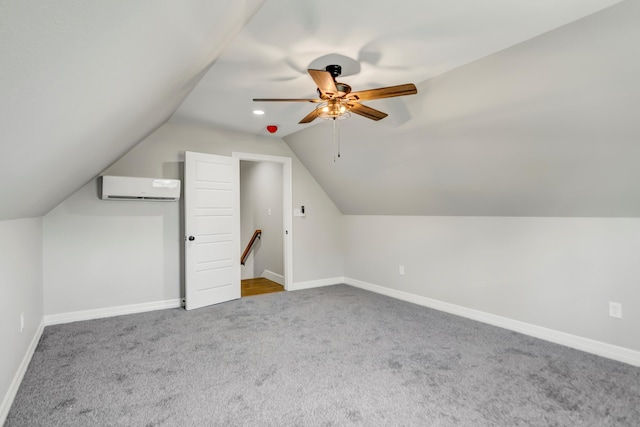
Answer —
191 238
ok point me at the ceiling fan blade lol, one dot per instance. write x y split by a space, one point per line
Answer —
309 117
325 82
368 112
287 100
383 92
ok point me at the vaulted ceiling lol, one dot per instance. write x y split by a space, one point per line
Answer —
82 82
548 127
523 108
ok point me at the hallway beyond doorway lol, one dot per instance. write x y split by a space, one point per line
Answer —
259 286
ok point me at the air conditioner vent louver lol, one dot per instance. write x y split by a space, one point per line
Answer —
171 199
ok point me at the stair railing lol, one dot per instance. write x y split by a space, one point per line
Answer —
256 235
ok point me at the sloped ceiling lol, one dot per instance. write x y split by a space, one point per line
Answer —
524 108
546 128
82 82
377 44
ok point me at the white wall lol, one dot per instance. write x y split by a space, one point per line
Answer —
558 273
21 293
261 206
247 226
100 254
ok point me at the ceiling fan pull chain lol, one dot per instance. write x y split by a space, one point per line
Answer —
336 139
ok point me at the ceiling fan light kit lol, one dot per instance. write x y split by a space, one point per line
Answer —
335 109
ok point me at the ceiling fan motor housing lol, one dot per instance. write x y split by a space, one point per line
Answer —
335 70
343 88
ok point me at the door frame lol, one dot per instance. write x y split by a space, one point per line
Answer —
287 206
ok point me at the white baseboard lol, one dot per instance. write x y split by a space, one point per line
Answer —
317 283
76 316
274 277
17 378
599 348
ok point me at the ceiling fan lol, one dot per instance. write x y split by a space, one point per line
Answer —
336 99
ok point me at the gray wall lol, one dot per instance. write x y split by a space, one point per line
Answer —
21 291
100 254
246 215
558 273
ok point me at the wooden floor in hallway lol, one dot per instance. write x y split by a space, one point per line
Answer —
259 286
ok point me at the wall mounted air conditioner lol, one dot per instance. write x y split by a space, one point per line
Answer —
135 188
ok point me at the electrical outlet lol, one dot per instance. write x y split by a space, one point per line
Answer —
21 322
401 270
615 309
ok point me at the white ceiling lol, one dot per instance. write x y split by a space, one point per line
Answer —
83 82
546 128
377 43
525 108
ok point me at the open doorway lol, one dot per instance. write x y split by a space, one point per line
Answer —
265 207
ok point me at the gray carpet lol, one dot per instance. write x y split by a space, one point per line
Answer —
319 357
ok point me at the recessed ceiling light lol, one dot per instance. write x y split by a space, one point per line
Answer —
258 112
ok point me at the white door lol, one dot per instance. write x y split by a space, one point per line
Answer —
212 229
